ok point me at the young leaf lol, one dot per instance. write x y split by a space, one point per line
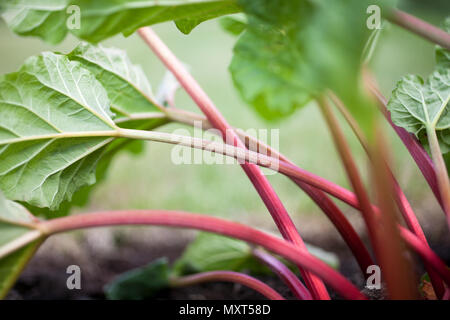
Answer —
417 105
54 125
102 19
14 253
141 283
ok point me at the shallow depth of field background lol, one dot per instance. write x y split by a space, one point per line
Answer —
152 181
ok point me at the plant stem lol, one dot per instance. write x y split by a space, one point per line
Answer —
332 211
400 197
377 235
419 27
262 160
397 269
318 196
19 242
210 224
227 276
288 277
417 152
428 255
441 170
260 182
243 155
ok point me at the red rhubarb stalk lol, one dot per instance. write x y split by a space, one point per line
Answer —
262 185
227 276
236 230
288 277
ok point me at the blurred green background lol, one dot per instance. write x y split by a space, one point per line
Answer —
152 181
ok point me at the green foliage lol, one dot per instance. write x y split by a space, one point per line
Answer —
126 84
101 19
140 283
293 51
57 128
12 215
209 252
234 24
55 121
417 104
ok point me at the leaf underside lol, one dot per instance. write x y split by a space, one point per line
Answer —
51 112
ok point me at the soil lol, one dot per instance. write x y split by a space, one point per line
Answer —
102 254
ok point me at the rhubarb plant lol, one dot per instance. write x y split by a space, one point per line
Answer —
64 116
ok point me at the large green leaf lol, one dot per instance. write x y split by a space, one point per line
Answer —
54 125
419 105
140 283
15 254
295 50
101 19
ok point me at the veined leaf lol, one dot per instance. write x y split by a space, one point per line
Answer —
17 242
130 96
54 125
101 19
126 84
417 105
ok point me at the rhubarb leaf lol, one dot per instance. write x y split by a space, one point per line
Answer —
294 51
54 125
140 283
45 19
51 20
13 258
209 252
417 105
234 24
126 84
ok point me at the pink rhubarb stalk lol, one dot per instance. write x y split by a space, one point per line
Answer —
272 243
227 276
262 185
419 27
288 277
